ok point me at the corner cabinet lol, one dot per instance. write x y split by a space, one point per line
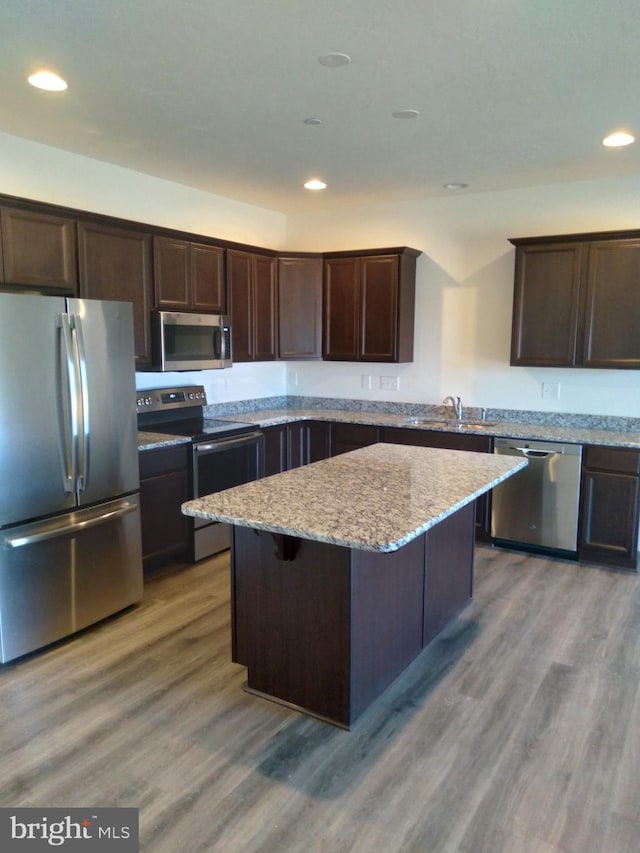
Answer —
188 276
251 280
300 307
610 506
369 305
577 301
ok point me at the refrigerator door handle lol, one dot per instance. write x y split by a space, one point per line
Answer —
69 406
21 540
83 406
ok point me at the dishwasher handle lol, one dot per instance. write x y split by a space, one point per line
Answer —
538 454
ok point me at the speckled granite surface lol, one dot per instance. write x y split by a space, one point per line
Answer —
152 440
534 431
375 499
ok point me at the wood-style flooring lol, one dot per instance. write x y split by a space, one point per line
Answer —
517 731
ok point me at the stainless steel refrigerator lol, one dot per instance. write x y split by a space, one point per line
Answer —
70 549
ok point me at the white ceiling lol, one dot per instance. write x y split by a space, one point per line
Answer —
213 93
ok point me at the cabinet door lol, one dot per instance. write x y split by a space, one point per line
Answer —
612 315
171 273
264 313
115 263
546 308
610 506
341 309
378 308
163 489
300 308
275 449
346 437
40 250
239 276
207 278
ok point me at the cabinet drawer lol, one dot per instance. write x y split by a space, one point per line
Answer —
162 460
362 434
620 459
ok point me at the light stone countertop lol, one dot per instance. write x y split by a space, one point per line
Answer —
153 440
377 498
535 432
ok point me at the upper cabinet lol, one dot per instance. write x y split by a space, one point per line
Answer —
116 263
39 250
369 305
300 307
577 301
188 276
251 280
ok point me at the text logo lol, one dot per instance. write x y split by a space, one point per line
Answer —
104 830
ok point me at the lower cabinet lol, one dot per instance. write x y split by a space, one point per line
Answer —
609 509
164 487
346 437
288 446
449 441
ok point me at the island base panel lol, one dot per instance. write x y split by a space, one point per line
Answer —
448 584
328 630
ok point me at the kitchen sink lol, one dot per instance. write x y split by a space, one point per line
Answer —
442 422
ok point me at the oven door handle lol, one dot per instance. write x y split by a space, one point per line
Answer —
226 443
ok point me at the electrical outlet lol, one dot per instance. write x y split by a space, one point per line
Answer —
365 381
550 390
389 383
292 379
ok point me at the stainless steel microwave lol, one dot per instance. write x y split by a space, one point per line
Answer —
184 341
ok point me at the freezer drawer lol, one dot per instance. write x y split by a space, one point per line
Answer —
65 573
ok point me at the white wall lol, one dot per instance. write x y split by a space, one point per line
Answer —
47 174
464 282
464 295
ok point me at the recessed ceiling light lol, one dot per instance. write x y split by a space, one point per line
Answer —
48 80
315 184
313 120
618 139
334 60
455 185
406 114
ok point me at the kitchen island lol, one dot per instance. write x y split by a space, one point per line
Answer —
344 570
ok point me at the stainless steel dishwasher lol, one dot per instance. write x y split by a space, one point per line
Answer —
537 508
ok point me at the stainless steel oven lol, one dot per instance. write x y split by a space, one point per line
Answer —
223 453
220 463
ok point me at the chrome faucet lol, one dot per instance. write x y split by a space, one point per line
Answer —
456 402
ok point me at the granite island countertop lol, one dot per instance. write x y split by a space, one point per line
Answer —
377 498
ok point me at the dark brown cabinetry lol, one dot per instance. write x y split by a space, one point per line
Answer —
577 301
300 307
346 437
610 506
39 250
164 487
449 441
288 446
369 305
251 282
188 276
116 263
